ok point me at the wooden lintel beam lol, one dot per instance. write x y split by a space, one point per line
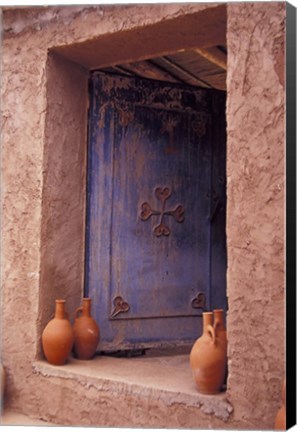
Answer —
214 55
206 27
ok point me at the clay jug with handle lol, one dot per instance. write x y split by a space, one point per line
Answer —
219 326
86 331
208 359
57 337
221 333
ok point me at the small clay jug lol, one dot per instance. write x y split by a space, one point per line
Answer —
219 326
280 419
208 359
221 333
57 337
86 331
2 383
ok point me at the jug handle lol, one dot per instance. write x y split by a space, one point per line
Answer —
78 310
216 326
212 333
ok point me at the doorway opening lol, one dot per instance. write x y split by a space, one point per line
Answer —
156 211
68 69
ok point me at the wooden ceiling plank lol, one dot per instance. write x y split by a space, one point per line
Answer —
160 62
148 69
185 73
117 69
214 55
196 64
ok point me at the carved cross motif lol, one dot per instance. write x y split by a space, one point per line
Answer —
162 195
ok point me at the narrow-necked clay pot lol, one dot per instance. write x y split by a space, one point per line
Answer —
219 325
57 337
2 382
284 392
86 331
281 417
221 333
208 359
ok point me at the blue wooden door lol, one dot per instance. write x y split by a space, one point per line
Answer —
152 205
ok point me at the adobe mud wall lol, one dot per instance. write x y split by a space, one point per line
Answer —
43 177
255 209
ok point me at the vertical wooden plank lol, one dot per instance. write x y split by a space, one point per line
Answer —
100 197
219 201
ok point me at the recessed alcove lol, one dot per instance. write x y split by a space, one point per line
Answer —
48 54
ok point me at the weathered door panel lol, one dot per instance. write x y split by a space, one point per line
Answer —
149 210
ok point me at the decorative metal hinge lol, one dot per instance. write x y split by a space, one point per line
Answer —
199 302
120 306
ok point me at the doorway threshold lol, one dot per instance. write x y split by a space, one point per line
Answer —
159 377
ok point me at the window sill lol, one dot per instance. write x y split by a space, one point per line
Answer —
155 376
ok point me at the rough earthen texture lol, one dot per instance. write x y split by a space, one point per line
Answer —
255 218
156 384
63 202
43 158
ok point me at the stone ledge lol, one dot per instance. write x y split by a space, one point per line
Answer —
12 418
161 378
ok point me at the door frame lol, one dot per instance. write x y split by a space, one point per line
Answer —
67 69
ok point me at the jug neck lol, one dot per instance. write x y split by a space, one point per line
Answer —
86 306
207 320
60 309
219 318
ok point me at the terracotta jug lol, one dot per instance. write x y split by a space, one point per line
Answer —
208 359
221 333
219 326
57 337
2 383
86 331
280 419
